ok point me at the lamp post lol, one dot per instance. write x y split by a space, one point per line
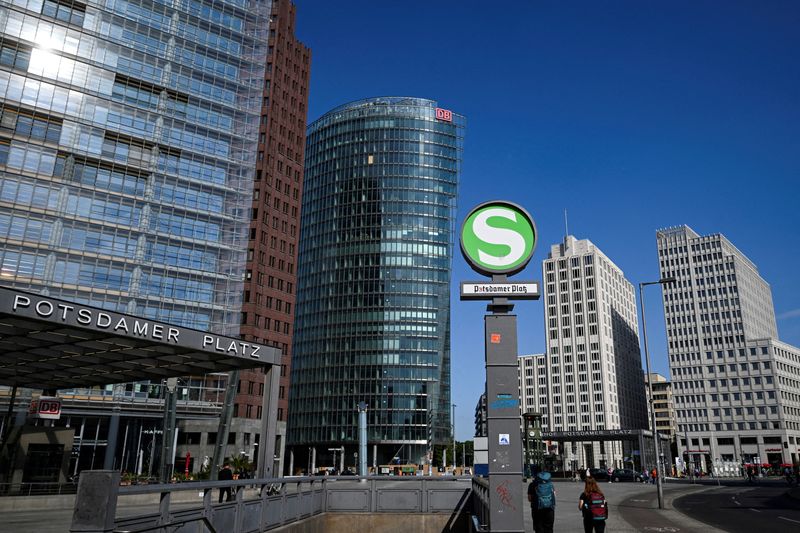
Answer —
455 461
659 470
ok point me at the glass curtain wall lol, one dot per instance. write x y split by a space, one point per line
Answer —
373 309
128 133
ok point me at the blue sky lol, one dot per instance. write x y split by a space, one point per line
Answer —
634 116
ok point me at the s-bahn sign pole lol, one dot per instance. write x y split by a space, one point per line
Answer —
497 240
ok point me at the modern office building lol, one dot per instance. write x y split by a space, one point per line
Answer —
271 273
734 383
373 303
481 417
662 403
128 148
593 368
532 382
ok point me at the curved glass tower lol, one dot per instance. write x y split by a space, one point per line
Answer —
373 304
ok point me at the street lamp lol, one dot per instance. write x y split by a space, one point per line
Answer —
659 469
455 461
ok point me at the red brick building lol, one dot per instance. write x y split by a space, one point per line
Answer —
270 284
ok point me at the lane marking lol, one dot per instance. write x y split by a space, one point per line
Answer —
789 519
756 510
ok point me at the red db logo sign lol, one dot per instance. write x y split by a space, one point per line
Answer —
444 114
46 407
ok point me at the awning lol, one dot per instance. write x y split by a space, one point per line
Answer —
50 343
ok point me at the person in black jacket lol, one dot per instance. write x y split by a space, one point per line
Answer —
226 474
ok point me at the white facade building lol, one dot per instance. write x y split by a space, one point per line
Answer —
736 387
593 369
532 382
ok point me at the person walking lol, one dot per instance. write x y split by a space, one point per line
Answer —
226 474
542 496
592 503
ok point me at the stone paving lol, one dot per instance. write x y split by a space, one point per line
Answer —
635 501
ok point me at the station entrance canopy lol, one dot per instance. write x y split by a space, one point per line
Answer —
599 435
47 343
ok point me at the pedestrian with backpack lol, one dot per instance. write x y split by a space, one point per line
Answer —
594 507
542 496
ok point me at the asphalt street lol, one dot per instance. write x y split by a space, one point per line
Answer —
742 508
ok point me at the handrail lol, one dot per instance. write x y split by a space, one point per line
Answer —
37 489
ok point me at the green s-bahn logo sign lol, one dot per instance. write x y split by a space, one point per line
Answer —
498 237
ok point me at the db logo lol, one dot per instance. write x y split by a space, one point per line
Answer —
444 114
46 408
49 407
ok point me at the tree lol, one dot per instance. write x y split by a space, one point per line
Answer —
240 463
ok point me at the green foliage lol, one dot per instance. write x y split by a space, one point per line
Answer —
462 449
240 463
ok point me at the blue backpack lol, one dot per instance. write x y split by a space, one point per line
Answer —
545 497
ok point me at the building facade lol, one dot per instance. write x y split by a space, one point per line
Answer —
373 304
663 404
128 149
481 417
532 382
271 273
593 370
734 383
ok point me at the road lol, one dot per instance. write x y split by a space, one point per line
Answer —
744 508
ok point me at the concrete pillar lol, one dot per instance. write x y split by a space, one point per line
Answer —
95 502
362 439
224 426
506 500
269 423
111 447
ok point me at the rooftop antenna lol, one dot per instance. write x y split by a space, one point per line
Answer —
566 228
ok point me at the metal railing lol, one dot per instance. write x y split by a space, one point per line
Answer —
480 504
37 489
262 504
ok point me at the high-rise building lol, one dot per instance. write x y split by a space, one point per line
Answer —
532 382
373 303
593 366
481 417
128 148
662 403
734 384
271 274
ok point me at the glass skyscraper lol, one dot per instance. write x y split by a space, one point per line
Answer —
127 152
373 304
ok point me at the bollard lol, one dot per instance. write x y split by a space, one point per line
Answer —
96 502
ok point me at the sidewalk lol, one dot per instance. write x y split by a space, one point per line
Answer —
636 501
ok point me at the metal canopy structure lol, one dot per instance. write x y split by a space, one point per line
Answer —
597 435
55 344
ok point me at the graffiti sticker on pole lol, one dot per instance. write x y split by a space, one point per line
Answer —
504 439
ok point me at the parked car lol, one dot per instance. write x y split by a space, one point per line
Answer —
625 474
600 474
